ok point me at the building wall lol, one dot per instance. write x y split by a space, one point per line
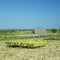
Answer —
39 31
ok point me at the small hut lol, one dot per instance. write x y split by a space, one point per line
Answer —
39 31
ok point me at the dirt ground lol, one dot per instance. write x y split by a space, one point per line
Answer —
49 52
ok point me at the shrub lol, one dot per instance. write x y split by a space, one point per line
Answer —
27 43
54 30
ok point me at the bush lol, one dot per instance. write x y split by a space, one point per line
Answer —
54 30
27 43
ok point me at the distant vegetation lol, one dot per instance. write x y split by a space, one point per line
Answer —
28 34
25 31
53 30
17 31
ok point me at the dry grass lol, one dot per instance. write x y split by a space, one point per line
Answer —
50 52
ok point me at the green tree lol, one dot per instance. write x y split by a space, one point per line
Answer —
54 30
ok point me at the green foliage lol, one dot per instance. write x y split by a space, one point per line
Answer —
13 32
26 34
27 43
18 37
51 30
54 30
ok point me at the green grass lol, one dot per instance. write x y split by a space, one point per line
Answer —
29 36
17 31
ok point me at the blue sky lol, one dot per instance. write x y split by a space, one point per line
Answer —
28 14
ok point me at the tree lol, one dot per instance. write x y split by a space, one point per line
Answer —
54 30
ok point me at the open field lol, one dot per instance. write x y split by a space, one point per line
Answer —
51 51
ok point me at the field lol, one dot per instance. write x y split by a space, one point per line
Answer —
51 51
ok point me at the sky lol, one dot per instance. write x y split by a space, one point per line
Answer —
29 14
